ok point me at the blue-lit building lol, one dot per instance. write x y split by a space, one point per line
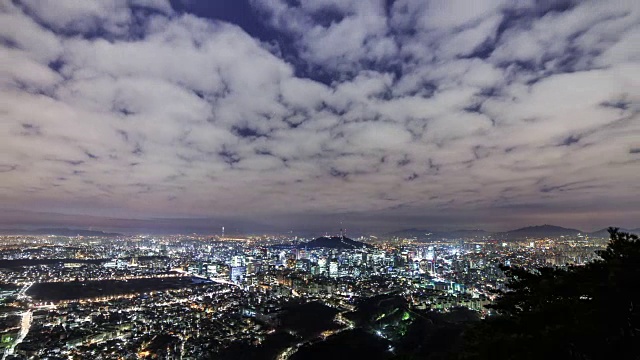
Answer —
238 274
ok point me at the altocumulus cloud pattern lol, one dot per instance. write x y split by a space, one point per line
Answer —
405 109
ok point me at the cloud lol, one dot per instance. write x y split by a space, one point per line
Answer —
338 38
90 17
132 109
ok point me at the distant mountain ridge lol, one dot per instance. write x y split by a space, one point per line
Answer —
57 232
537 231
419 234
425 234
333 242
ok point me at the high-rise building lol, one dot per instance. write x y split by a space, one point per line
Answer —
238 274
237 260
333 268
322 262
251 269
303 265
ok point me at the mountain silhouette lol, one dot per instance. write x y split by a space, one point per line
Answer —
539 231
333 242
57 232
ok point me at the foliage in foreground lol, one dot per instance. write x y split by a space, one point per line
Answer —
583 312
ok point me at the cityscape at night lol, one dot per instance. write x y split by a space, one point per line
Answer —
319 179
194 297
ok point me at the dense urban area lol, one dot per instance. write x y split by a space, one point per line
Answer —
258 297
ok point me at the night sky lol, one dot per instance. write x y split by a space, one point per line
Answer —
268 115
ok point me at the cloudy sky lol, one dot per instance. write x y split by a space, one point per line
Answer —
277 115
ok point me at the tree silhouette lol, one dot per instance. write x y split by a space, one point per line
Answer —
583 312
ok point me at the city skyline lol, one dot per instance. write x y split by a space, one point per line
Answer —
273 116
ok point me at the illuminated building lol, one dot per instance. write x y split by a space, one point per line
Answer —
238 274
